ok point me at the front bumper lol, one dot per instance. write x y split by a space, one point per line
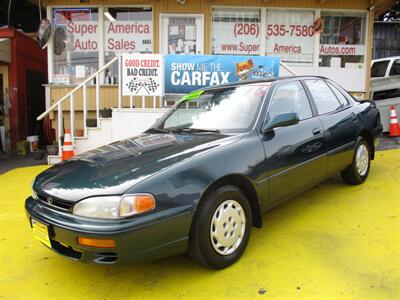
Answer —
148 237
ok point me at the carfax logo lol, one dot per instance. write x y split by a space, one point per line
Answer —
186 73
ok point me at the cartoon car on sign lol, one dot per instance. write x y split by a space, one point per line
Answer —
246 70
260 72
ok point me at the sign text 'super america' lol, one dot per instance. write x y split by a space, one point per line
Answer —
142 75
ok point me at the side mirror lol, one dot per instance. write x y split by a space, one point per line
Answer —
281 120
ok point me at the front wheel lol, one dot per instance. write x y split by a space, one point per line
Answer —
221 228
358 171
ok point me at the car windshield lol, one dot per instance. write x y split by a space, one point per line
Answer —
229 109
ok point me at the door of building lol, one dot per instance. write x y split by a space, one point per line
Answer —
181 34
35 102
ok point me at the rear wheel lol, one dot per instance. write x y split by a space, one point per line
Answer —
358 171
221 228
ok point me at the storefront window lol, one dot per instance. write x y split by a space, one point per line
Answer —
290 35
75 44
236 31
182 35
126 30
342 42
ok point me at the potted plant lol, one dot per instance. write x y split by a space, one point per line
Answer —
38 154
106 113
79 132
53 148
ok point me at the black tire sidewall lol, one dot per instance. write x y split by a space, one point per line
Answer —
211 257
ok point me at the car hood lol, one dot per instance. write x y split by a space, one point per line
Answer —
113 169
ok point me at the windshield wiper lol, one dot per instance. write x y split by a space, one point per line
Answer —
189 129
158 130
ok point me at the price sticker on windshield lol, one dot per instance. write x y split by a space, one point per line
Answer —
192 95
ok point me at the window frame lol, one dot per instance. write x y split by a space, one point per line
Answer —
366 16
333 88
394 61
341 108
101 34
274 88
262 12
349 97
386 69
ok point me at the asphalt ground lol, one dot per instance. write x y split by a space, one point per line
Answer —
334 241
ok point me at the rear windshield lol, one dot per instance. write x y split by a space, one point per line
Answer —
379 68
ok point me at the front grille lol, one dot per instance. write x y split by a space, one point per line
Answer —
55 202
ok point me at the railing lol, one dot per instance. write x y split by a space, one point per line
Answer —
70 95
58 105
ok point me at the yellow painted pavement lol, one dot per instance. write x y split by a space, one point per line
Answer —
332 242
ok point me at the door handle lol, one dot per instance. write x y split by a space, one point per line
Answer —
317 131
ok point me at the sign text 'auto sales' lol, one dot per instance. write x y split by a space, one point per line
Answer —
119 36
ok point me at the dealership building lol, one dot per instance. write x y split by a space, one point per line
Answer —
331 38
97 30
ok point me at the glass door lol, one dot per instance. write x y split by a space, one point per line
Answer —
181 34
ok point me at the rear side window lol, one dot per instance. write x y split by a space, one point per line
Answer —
379 68
290 97
324 98
342 99
395 69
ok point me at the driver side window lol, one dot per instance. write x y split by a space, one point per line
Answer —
290 97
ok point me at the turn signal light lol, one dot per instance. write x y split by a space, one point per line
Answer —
136 204
145 203
98 243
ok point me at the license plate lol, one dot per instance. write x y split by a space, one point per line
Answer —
41 232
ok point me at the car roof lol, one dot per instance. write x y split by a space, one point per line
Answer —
258 81
385 58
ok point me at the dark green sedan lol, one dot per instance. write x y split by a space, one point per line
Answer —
203 174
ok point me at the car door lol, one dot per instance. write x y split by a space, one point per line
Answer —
339 121
294 154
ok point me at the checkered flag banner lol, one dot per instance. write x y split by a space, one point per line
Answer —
136 84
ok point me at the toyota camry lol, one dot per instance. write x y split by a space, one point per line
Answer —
200 178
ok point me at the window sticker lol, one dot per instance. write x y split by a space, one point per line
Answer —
192 95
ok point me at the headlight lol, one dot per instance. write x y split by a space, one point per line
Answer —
114 207
33 193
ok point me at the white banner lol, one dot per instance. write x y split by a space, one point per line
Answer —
236 38
124 36
290 35
339 50
142 75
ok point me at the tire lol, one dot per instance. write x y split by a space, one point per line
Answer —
362 153
224 214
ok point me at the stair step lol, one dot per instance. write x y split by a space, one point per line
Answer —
53 159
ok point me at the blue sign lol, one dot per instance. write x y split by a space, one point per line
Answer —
186 73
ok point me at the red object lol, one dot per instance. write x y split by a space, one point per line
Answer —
67 148
394 128
25 56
